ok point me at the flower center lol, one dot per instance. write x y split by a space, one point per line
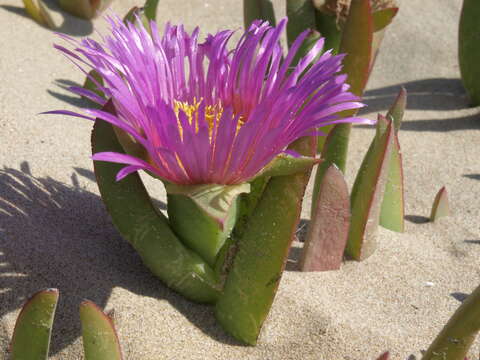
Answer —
213 114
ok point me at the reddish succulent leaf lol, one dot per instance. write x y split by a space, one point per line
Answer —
440 207
328 230
367 194
383 18
357 44
384 356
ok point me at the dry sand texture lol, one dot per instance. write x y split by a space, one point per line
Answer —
54 231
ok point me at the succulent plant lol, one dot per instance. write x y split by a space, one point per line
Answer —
33 329
440 207
469 50
38 12
87 9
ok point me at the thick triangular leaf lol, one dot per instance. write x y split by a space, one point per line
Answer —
468 49
328 229
261 254
458 335
86 9
258 9
215 200
397 110
383 18
284 165
100 340
367 193
393 204
31 336
37 10
440 207
203 216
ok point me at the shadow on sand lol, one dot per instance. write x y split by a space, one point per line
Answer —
438 94
54 235
70 25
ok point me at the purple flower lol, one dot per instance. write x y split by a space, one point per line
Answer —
206 114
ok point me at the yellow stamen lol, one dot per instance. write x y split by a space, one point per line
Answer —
213 113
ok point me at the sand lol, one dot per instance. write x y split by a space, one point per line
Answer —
54 231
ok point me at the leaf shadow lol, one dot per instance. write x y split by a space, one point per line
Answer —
438 94
58 235
417 219
70 25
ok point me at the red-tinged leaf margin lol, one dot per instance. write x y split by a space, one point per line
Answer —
100 339
367 193
35 317
383 18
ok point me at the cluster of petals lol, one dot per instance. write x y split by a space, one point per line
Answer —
207 114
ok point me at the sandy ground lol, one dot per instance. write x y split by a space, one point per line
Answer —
54 231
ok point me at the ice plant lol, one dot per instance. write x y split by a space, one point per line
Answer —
208 121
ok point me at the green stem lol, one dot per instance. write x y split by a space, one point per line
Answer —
147 229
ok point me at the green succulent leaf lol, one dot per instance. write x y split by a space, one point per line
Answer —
440 207
31 336
328 229
37 10
284 165
203 216
367 193
457 336
383 18
100 340
261 254
258 9
468 49
393 205
397 110
146 228
150 9
87 9
89 84
301 16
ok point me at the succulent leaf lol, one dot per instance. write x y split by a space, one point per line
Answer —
440 207
458 334
33 329
284 165
301 16
397 110
393 204
140 223
328 229
87 9
367 194
37 10
203 216
468 49
261 254
258 9
100 340
383 18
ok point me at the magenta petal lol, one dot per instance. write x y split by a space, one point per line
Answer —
203 113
